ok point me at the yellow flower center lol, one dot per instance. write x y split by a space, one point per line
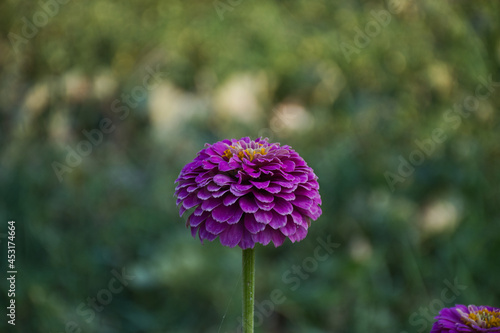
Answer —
245 152
483 318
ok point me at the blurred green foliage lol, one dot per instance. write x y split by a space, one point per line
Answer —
232 69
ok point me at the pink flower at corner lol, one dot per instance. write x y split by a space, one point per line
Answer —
461 318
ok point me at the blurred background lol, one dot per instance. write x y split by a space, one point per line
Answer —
393 104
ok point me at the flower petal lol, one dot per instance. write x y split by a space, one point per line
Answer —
263 237
219 193
265 205
252 225
236 217
240 190
192 188
248 204
195 221
273 188
229 199
282 206
194 231
278 221
299 234
278 238
297 218
288 166
286 196
214 227
210 204
182 193
204 234
204 194
290 228
284 183
246 241
232 235
198 211
302 202
213 187
263 216
182 210
251 171
223 213
191 201
259 184
263 196
222 179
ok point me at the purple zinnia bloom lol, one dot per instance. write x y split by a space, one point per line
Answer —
470 318
248 191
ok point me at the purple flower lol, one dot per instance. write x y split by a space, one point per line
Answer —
248 191
467 319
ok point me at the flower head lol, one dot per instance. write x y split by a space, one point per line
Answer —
248 191
470 318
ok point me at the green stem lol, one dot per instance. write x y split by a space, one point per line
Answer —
248 289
